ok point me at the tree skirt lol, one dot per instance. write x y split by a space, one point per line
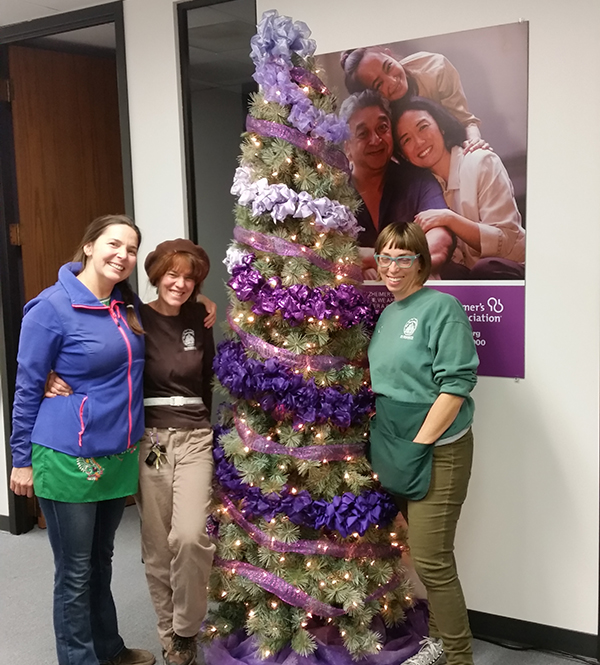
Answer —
401 642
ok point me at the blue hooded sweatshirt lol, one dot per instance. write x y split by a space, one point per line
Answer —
90 346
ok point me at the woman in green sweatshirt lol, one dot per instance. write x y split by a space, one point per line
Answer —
423 367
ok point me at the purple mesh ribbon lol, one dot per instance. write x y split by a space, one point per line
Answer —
279 587
277 245
331 453
382 590
324 547
286 357
304 77
316 146
291 594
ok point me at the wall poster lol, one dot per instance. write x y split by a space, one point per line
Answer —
447 148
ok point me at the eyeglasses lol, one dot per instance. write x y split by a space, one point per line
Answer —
405 261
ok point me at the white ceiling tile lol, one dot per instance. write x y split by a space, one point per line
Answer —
17 11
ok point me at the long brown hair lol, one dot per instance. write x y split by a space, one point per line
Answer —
91 234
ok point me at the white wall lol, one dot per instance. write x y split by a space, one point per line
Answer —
153 81
528 538
4 429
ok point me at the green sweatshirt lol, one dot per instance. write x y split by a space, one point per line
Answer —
423 346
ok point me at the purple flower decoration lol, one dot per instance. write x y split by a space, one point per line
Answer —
299 301
285 394
281 201
277 37
347 514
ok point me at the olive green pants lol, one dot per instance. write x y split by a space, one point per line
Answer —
431 530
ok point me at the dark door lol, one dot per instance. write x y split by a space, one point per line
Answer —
67 153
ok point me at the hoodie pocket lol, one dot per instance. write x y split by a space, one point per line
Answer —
81 405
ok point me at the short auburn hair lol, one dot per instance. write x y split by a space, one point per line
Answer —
183 262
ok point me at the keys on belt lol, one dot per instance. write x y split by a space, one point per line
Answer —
158 453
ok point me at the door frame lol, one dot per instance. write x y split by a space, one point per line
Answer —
11 268
186 101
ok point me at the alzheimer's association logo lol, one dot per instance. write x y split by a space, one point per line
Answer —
409 329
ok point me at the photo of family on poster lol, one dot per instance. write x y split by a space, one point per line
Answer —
438 131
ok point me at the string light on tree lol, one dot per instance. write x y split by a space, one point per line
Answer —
306 529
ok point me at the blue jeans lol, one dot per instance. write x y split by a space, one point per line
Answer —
85 619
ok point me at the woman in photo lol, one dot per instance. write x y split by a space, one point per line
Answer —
423 366
425 74
80 453
390 190
482 212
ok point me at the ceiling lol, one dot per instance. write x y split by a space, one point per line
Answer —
219 37
219 40
16 11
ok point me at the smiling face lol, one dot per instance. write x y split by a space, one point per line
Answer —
370 145
112 256
175 288
381 72
421 141
401 282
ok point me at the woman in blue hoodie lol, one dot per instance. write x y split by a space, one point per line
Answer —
80 453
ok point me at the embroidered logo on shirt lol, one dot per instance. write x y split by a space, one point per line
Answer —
90 467
188 337
409 329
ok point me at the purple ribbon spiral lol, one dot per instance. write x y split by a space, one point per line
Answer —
291 594
303 77
316 146
306 547
330 453
286 357
276 245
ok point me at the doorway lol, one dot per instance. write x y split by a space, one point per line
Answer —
66 160
216 83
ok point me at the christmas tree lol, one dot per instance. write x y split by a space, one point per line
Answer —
306 547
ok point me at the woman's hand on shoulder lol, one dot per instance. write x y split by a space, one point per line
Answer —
474 140
56 387
21 481
470 145
211 310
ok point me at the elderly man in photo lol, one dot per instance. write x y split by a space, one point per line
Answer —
391 191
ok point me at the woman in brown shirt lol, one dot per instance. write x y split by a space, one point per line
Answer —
176 450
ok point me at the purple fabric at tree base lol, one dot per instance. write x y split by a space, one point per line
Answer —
401 642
